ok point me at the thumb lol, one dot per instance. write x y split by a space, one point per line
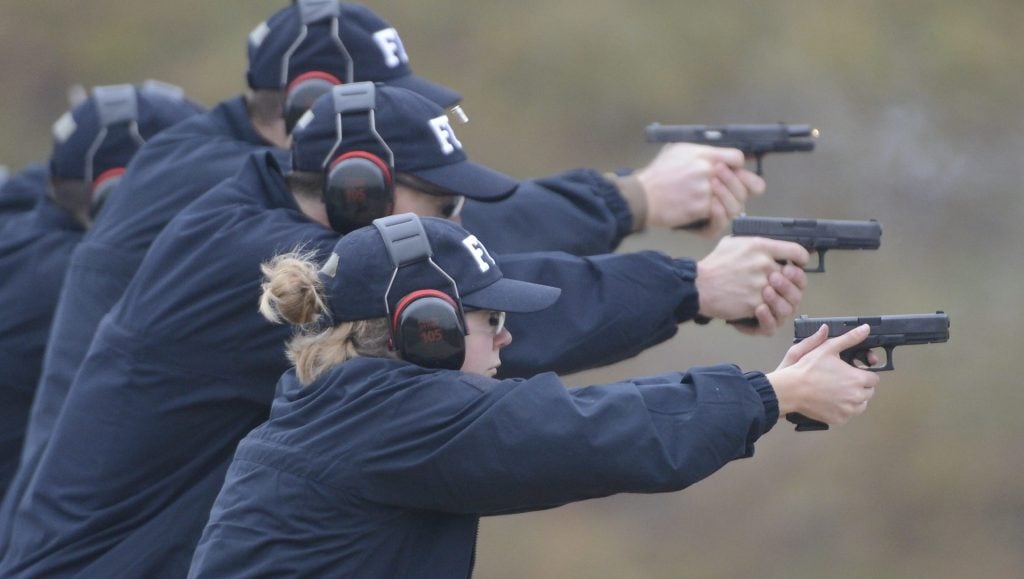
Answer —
849 339
732 157
787 251
805 346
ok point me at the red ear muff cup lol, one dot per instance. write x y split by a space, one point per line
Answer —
357 190
428 331
103 185
301 94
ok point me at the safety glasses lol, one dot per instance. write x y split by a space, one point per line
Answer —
453 207
496 320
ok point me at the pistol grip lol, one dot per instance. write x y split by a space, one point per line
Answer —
804 424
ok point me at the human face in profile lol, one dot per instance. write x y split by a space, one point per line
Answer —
486 336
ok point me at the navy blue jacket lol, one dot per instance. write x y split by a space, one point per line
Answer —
21 191
165 175
168 172
381 468
578 212
34 250
183 367
178 372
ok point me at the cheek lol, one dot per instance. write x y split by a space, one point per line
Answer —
478 344
478 355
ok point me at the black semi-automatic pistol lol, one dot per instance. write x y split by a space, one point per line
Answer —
887 332
818 235
754 140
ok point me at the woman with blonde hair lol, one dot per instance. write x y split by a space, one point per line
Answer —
391 437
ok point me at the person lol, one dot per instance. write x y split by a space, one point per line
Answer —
187 366
92 143
372 465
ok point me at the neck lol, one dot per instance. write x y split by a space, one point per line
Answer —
272 133
265 108
313 209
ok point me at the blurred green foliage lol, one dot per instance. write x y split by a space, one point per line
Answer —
919 107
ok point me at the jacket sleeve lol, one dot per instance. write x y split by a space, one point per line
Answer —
534 444
612 308
578 212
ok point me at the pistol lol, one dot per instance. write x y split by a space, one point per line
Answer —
754 140
818 235
887 332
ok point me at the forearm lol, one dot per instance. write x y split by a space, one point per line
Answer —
612 307
542 445
579 212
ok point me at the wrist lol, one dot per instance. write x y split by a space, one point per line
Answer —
784 384
632 191
703 316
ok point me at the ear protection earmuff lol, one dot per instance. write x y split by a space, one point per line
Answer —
305 88
115 105
103 185
358 185
302 92
119 105
427 325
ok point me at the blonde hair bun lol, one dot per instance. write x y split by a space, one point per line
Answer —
292 291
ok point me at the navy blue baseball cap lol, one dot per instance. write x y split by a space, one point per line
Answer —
357 275
103 132
346 41
417 132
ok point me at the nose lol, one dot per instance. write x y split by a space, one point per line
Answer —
503 339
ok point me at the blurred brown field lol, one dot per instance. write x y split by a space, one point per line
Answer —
919 104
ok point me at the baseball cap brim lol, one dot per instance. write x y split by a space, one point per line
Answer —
470 179
515 296
441 95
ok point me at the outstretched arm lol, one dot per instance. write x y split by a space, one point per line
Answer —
491 447
578 212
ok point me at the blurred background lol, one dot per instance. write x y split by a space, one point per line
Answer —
919 106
